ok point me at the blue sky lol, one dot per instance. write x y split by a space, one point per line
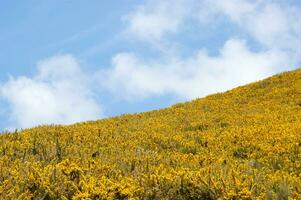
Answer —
68 61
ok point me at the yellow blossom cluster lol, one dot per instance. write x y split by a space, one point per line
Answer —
241 144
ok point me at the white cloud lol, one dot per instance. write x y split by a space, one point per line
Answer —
275 27
273 24
156 18
59 93
196 76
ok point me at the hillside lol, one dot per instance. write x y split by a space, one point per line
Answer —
241 144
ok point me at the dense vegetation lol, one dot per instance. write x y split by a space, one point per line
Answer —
242 144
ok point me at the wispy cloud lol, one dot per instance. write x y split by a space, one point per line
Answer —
77 36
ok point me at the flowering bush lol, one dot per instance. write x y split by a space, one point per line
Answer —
241 144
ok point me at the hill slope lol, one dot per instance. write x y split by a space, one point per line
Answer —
242 144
